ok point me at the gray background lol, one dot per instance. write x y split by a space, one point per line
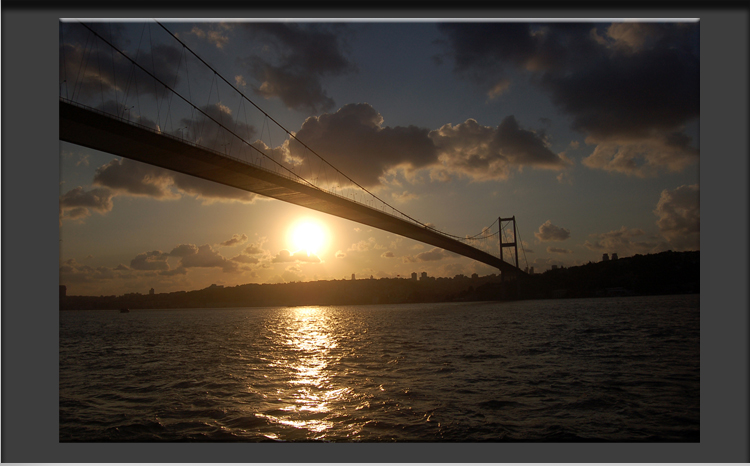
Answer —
30 253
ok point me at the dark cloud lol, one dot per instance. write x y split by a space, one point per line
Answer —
136 179
128 112
206 256
680 217
125 176
205 129
301 256
294 59
434 254
78 203
549 232
355 141
184 250
153 260
245 259
624 84
388 254
559 250
235 240
483 152
92 71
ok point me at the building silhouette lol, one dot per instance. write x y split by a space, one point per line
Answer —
605 257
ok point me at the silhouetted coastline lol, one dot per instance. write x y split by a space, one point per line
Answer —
640 275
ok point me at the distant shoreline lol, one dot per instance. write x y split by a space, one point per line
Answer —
640 275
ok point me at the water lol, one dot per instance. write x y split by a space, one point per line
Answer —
609 369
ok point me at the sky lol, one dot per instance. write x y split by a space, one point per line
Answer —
586 132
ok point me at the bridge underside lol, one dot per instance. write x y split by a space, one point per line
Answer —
108 134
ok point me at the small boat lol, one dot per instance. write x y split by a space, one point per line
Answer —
124 310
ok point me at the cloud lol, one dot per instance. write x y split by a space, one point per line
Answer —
499 88
558 250
255 248
680 217
434 254
204 130
549 232
215 34
295 61
74 272
206 256
366 245
646 157
388 254
245 259
355 141
625 242
485 153
78 203
292 274
153 260
184 250
126 176
404 196
129 177
301 256
92 71
340 254
630 87
235 240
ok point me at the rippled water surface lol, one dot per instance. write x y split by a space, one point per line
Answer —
610 369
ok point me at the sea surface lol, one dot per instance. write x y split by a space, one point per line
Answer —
601 369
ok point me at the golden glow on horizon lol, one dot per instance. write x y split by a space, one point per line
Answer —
309 236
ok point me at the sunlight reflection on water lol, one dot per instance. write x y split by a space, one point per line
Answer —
599 369
303 351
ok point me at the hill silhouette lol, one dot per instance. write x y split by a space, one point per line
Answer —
663 273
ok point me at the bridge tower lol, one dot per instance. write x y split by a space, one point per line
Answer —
512 244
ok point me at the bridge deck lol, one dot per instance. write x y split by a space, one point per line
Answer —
88 128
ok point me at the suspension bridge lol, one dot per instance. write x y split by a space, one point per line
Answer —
120 102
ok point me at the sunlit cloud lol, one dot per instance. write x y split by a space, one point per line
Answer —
131 178
365 245
434 254
485 153
302 256
78 203
549 232
680 217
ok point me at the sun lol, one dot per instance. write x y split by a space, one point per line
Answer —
309 236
